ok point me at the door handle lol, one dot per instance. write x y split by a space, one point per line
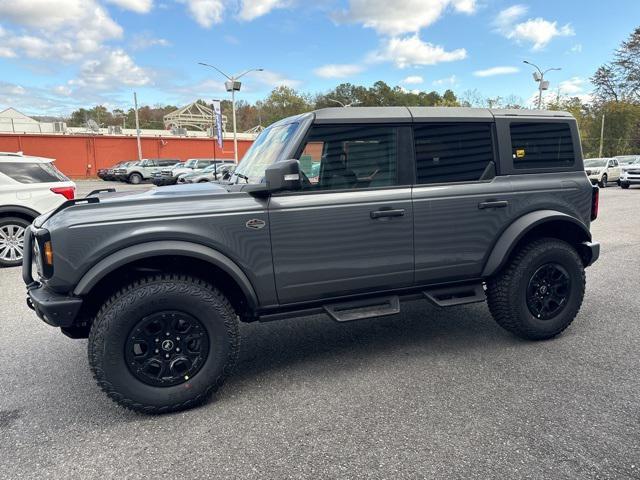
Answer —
493 204
383 213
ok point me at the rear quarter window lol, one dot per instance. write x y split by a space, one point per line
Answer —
542 145
25 172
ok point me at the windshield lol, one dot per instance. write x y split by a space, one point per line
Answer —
265 150
628 160
595 162
189 163
208 169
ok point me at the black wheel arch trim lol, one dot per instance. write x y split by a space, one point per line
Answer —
18 209
166 247
518 229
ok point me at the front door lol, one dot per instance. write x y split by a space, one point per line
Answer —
350 229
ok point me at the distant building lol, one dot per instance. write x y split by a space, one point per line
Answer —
193 116
13 121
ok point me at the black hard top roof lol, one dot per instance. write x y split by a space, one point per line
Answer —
411 114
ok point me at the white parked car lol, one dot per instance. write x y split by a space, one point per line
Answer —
602 170
29 186
630 174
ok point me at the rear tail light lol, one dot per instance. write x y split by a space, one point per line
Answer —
66 192
595 202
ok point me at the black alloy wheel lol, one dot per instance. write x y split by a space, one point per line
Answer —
548 291
167 348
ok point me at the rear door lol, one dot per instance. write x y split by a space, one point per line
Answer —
460 205
351 229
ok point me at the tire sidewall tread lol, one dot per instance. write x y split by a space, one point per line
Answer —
117 317
506 292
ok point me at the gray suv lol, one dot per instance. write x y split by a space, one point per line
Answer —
137 172
345 212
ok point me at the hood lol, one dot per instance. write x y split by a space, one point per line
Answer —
156 201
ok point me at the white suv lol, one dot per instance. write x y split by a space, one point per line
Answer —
602 170
29 186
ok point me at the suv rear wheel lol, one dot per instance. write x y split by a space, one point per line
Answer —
12 230
538 294
164 343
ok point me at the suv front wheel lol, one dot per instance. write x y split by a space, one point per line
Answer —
164 343
538 294
135 178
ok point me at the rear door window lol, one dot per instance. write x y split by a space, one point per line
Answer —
26 172
541 145
453 152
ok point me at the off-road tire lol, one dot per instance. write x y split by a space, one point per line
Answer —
135 178
117 318
603 182
625 185
506 291
18 222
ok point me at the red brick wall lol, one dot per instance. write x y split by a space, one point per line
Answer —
80 156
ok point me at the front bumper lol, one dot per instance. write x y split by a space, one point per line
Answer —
54 308
630 180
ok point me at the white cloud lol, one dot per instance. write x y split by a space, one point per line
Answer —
412 51
138 6
114 69
145 40
413 80
6 52
572 86
493 71
206 12
251 9
447 81
577 48
62 90
338 70
396 18
273 79
537 31
64 30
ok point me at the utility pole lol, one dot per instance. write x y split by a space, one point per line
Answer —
233 86
135 106
601 136
539 78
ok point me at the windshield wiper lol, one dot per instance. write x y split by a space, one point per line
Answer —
242 176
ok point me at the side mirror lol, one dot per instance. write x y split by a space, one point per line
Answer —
283 175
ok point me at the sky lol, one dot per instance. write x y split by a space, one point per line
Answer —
58 55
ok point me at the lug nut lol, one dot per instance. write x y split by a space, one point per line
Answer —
178 349
157 351
167 355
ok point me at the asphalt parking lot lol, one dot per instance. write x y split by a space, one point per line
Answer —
426 394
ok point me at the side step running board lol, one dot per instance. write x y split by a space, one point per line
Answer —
456 295
361 309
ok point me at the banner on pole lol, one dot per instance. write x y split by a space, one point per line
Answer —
217 109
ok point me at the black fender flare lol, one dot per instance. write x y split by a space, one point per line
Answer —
166 247
18 209
519 228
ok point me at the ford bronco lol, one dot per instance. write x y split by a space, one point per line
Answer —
346 212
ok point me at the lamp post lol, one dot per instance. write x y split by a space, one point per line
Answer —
232 85
539 77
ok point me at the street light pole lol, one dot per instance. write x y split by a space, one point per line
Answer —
232 86
539 77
